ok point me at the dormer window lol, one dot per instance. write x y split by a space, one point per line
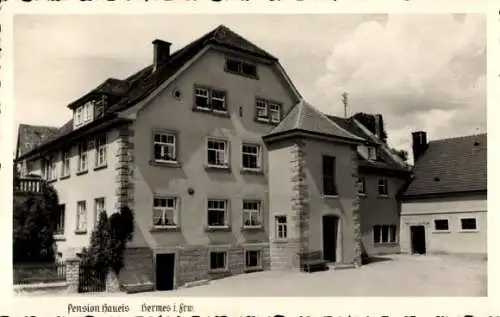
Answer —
84 114
372 153
78 116
241 68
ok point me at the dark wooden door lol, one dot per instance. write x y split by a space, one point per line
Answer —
418 239
330 229
165 265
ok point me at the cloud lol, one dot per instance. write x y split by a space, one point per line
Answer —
421 72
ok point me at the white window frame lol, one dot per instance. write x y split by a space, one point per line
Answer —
372 153
441 230
86 112
261 105
361 186
225 152
385 185
164 145
280 225
66 162
469 230
81 216
210 94
225 210
251 212
226 260
79 115
202 93
164 209
389 235
101 150
83 157
52 168
98 209
259 264
61 225
273 112
223 99
258 156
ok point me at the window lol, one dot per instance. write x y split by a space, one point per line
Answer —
267 110
361 186
164 147
100 207
78 115
382 187
217 153
251 156
252 213
60 220
101 159
241 68
165 212
217 213
218 261
210 99
384 234
329 186
468 223
65 168
281 227
81 217
52 168
252 258
82 157
441 225
86 112
372 153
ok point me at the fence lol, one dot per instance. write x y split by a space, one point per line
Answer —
91 280
29 185
32 273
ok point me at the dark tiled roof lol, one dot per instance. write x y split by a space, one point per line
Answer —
30 136
349 125
304 117
450 166
138 86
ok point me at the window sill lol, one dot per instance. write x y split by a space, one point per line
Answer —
82 172
64 177
469 230
252 171
441 231
173 164
281 241
213 112
329 196
218 229
386 244
217 168
100 167
253 269
241 74
361 194
252 228
218 271
164 229
79 232
383 196
59 237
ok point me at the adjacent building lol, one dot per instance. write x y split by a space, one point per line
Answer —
226 167
444 207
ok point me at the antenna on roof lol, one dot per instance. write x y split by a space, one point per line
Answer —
344 101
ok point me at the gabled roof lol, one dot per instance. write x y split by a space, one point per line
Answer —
126 93
451 166
305 118
30 136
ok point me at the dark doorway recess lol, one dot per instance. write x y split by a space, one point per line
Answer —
165 264
330 230
418 239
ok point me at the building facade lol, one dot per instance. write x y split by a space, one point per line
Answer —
444 208
225 166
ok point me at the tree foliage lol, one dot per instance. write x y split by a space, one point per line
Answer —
34 225
109 240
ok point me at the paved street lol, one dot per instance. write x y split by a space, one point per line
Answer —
395 275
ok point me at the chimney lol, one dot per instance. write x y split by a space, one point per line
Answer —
419 144
161 53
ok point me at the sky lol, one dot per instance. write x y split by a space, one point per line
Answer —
421 72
